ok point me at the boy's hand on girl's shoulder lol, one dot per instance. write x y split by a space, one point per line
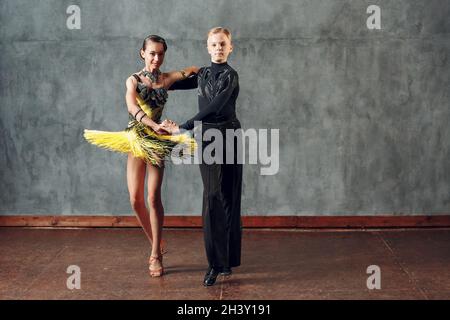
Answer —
192 70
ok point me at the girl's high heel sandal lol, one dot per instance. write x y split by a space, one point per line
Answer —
156 268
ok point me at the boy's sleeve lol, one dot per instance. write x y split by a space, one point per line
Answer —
217 103
186 84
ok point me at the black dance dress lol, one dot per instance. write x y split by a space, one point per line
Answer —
137 138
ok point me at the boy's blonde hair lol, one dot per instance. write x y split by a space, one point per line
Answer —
220 30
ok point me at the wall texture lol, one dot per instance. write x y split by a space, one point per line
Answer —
363 114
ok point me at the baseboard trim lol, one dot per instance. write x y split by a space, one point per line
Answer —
247 221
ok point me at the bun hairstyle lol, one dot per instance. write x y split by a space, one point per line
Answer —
153 38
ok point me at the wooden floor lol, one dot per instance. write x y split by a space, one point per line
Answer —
276 264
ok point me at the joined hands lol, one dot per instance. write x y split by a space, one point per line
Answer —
169 126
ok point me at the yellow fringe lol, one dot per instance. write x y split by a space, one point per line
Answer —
140 140
150 150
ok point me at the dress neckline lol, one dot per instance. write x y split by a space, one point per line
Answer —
152 77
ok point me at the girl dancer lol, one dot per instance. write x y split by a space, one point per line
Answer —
146 142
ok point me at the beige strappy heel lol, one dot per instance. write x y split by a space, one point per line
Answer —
155 267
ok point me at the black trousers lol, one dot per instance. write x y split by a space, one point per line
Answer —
221 211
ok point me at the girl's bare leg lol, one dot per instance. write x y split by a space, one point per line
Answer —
136 186
154 182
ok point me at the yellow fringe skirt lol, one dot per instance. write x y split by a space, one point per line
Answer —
142 142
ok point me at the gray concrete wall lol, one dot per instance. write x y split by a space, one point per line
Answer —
363 114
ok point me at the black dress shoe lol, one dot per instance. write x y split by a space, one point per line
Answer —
226 271
210 277
208 272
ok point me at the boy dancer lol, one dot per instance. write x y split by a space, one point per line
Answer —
218 89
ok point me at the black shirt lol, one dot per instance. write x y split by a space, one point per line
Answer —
218 89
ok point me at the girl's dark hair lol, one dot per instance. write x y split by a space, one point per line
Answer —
154 38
